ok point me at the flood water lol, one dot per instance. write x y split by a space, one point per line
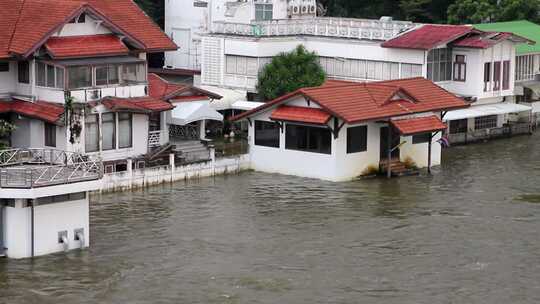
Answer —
467 234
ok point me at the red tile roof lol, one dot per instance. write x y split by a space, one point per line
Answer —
419 125
428 36
300 114
46 111
163 89
358 102
85 46
136 105
487 39
27 24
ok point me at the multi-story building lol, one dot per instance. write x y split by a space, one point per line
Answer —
470 63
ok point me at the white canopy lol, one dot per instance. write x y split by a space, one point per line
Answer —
188 112
485 110
228 97
246 105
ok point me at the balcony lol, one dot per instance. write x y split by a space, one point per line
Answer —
35 168
361 29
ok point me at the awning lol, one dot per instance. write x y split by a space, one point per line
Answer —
42 110
485 110
188 112
300 114
246 105
418 125
99 61
228 97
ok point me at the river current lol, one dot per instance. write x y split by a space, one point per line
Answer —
470 233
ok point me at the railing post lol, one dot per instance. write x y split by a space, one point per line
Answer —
130 172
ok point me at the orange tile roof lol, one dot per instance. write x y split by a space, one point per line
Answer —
428 36
42 110
136 105
300 114
27 24
358 102
85 46
419 125
163 89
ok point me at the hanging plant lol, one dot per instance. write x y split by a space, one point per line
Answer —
72 118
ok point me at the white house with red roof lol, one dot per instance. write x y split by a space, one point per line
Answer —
343 130
74 83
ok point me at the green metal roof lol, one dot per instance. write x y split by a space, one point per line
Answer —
522 28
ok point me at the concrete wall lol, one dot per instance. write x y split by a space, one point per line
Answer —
7 79
30 133
91 26
48 221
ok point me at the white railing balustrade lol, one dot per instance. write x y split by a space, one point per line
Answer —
154 139
30 168
363 29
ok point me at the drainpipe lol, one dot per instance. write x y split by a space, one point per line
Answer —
32 218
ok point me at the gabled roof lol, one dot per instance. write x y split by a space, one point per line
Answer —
85 46
417 125
522 28
300 114
46 111
163 89
136 105
27 24
358 102
484 40
428 36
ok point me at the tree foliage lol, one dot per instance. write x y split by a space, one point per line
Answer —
288 72
5 130
481 11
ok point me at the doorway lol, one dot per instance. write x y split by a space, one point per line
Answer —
384 143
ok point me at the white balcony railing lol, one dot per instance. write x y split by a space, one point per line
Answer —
363 29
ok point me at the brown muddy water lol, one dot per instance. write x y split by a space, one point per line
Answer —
467 234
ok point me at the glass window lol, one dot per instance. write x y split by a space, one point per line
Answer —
266 134
460 68
458 126
59 78
4 66
154 121
439 62
50 135
108 125
50 76
80 77
487 76
125 137
496 75
485 122
134 73
101 76
41 74
506 75
421 138
24 72
357 139
263 12
309 139
91 133
107 75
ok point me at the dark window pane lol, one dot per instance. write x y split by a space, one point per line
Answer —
357 139
101 76
309 139
266 134
80 77
24 72
50 135
60 78
50 76
458 126
108 125
91 133
40 79
421 138
4 66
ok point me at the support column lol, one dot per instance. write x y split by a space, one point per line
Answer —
202 129
172 165
129 166
389 161
429 154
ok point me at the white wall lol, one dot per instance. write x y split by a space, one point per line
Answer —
30 133
7 79
91 26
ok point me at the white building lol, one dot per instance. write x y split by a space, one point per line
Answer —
342 130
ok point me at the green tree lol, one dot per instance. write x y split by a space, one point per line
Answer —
509 10
288 72
5 130
471 11
416 10
155 9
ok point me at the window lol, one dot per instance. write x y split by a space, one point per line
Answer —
263 12
24 72
108 125
439 62
4 66
134 73
80 77
154 121
487 76
266 134
50 135
107 75
59 78
91 133
41 74
125 132
496 75
460 68
421 138
485 122
309 139
458 126
357 139
241 65
506 75
49 76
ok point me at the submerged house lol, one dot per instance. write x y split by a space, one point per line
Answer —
340 130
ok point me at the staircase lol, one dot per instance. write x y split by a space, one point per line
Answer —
192 150
397 168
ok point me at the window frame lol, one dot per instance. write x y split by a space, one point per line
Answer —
23 72
308 130
496 75
357 148
266 9
114 123
49 134
435 61
487 76
275 128
485 122
86 123
459 126
506 75
125 116
460 68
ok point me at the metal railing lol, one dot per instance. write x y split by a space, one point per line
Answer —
32 168
364 29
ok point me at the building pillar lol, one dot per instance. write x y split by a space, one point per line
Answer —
130 171
202 129
429 154
389 160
